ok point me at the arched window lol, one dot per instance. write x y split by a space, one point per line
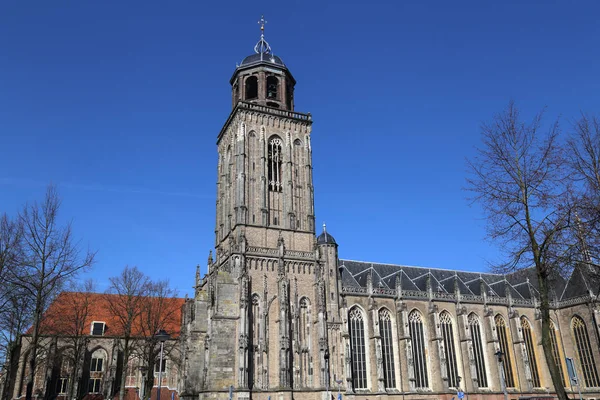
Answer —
304 339
97 367
272 87
275 161
255 340
554 340
584 351
503 338
477 340
530 346
417 337
387 349
298 179
251 88
357 348
450 350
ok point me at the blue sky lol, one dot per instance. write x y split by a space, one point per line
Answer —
120 103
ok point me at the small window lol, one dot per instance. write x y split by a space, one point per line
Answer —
62 385
96 364
94 385
98 328
157 366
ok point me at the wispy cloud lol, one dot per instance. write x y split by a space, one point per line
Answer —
93 187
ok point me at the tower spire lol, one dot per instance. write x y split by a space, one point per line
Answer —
262 47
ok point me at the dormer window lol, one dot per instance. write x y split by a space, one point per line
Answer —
98 328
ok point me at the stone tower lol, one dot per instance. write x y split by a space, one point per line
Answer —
258 323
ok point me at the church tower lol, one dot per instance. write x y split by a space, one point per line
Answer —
258 323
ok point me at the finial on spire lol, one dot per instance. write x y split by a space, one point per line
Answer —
262 47
262 23
324 227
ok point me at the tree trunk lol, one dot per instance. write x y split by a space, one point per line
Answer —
557 379
124 369
34 349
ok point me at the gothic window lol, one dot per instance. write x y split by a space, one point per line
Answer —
503 338
449 349
387 349
304 339
272 87
275 161
417 337
96 368
254 337
554 341
530 346
251 88
584 351
477 340
357 349
298 167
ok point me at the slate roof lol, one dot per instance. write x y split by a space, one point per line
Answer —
520 284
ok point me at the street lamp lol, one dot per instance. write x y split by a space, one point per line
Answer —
161 336
144 370
500 356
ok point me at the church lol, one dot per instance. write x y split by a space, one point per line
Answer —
280 316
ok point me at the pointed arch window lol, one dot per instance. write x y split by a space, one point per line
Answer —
357 348
255 340
387 349
478 354
556 351
417 337
449 349
503 338
275 161
528 337
584 351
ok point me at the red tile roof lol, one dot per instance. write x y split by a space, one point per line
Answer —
65 311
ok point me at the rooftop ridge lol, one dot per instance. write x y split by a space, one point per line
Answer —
421 267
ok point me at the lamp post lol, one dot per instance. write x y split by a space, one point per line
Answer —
500 356
143 371
161 336
326 356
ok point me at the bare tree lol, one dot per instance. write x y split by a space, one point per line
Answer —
15 318
126 303
13 304
520 180
49 257
584 159
70 319
159 311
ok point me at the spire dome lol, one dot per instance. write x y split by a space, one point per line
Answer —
325 237
262 50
